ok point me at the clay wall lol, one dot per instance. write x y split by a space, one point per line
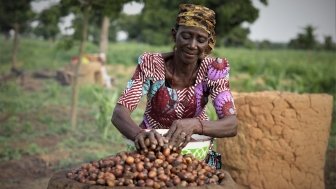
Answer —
281 142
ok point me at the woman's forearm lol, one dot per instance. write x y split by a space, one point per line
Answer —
225 127
122 120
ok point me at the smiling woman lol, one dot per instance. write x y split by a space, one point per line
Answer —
177 85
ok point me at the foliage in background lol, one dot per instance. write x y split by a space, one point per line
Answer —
47 25
105 101
305 40
328 44
16 16
15 13
154 23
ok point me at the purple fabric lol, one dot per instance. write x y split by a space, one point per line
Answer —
220 100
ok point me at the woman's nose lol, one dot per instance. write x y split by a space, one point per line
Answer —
193 43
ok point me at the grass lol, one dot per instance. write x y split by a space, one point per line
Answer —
45 113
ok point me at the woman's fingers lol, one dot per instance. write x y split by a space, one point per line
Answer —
159 138
177 139
186 141
170 132
141 141
152 139
136 143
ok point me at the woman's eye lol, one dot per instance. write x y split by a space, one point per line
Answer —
202 39
186 36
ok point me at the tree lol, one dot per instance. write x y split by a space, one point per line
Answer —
232 13
86 10
328 43
48 23
15 15
108 10
305 40
236 37
158 17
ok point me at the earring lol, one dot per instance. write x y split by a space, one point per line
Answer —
174 48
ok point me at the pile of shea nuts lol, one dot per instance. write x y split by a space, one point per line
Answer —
158 168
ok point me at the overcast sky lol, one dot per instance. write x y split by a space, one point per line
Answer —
281 20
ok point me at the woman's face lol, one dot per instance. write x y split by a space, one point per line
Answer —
191 43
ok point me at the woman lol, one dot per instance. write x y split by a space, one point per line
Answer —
178 85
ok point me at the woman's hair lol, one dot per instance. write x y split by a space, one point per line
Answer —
198 16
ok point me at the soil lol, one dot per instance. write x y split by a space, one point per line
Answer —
29 172
330 169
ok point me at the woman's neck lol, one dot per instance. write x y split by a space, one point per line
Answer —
179 74
182 68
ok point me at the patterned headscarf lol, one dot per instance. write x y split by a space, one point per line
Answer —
198 16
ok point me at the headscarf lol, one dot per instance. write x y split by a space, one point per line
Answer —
198 16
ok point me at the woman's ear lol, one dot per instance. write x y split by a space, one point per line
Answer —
173 32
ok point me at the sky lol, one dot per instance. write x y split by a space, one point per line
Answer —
279 21
282 20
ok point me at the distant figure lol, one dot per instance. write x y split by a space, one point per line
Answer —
92 70
106 78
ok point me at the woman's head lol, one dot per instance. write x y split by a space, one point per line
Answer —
197 16
191 43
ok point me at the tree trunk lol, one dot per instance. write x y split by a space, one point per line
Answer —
74 96
104 34
15 46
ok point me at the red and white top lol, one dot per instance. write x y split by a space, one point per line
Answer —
165 104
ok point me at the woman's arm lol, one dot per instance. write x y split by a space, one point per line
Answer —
181 130
122 120
224 127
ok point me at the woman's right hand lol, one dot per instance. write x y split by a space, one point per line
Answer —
154 139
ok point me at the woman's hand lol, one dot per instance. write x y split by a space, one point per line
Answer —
154 139
180 132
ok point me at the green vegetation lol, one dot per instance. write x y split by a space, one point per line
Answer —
42 114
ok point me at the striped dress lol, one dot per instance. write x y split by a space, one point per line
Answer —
165 104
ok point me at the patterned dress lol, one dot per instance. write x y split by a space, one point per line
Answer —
165 104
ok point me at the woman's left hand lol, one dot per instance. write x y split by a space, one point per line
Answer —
180 132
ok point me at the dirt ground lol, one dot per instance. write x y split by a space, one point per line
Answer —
28 172
330 169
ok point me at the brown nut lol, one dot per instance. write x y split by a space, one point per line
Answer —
166 152
141 183
149 182
129 160
152 174
111 182
101 181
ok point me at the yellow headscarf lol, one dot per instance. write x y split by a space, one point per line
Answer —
198 16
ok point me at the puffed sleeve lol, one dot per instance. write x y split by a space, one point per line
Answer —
136 86
219 87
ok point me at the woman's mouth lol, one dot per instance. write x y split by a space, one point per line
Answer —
189 54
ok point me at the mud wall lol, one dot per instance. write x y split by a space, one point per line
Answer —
281 142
